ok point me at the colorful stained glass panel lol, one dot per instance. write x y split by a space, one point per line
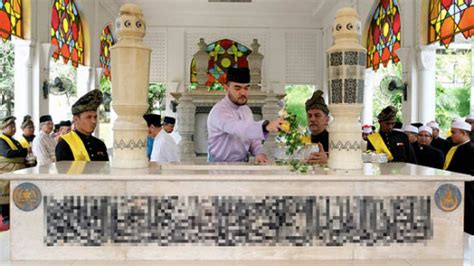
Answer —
384 34
10 19
224 53
106 41
66 32
448 18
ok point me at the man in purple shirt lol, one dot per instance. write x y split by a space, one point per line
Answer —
233 133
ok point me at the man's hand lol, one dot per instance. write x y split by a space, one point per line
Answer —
274 125
320 157
261 158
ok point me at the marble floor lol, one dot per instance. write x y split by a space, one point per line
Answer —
5 261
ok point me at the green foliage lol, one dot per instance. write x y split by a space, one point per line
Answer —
216 86
156 94
296 96
453 83
106 88
7 60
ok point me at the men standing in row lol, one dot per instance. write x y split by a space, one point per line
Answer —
393 143
426 154
317 113
233 133
164 148
79 144
44 144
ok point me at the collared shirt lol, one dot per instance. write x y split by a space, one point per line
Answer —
95 148
43 148
149 146
164 149
232 132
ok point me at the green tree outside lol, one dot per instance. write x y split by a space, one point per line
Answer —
296 96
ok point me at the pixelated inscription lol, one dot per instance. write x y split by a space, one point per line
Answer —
236 221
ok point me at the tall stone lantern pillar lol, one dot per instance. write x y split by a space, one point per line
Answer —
346 72
201 58
255 65
131 65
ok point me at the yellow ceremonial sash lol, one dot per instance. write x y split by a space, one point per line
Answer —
9 142
379 145
77 146
23 142
449 157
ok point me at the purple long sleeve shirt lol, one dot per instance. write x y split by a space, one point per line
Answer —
233 133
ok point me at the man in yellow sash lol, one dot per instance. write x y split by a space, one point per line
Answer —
12 157
460 158
28 128
393 143
79 144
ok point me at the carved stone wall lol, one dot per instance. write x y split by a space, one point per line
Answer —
156 38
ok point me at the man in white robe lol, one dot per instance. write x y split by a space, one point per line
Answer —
44 144
164 148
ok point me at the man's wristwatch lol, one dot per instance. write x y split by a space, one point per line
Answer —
264 126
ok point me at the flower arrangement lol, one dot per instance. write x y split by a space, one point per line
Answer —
293 138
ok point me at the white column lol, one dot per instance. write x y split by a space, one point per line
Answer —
426 57
409 76
23 97
368 109
472 77
85 79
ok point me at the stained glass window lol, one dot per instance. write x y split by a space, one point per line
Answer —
448 18
66 32
384 34
224 53
10 19
106 41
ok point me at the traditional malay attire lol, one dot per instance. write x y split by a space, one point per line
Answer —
76 146
439 142
395 144
317 102
460 158
233 133
12 154
44 144
164 148
427 155
26 141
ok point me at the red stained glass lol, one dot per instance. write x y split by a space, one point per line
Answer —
224 53
448 18
384 34
106 41
10 19
66 32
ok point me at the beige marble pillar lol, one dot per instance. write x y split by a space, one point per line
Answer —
131 65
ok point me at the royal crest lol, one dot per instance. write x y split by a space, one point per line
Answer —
448 197
27 196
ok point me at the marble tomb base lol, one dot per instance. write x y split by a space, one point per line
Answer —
89 211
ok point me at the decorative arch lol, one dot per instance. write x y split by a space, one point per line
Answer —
11 20
448 18
384 36
106 41
67 32
224 53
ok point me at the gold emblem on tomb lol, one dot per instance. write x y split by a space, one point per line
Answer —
448 197
26 196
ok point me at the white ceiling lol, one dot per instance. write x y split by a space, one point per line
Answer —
258 13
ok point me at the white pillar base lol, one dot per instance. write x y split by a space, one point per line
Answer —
345 139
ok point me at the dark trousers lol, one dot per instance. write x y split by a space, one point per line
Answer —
5 212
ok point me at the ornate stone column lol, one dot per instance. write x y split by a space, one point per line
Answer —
255 65
186 125
426 97
368 98
22 92
269 112
346 73
201 58
131 65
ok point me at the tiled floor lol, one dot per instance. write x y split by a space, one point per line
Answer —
5 250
